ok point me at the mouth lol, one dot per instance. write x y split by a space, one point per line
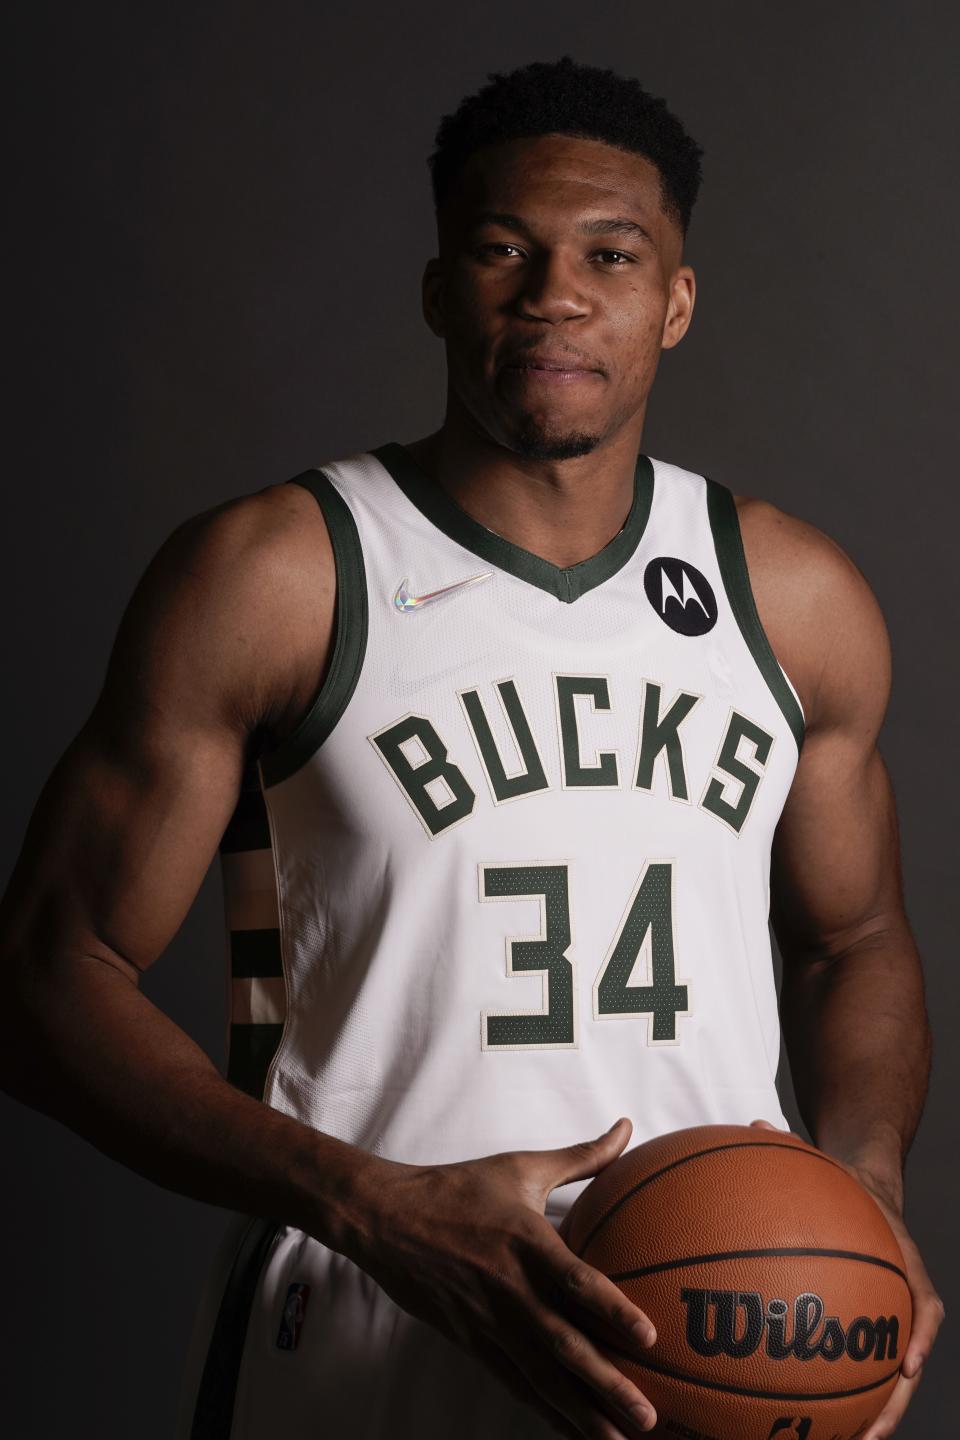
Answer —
550 374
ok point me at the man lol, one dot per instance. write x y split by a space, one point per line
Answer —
532 720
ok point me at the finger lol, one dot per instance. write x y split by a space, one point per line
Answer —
927 1321
590 1413
928 1309
590 1295
521 1388
892 1413
575 1351
766 1125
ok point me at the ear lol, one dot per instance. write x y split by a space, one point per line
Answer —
431 290
683 292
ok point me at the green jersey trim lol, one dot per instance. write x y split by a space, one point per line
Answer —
566 582
216 1397
728 542
350 637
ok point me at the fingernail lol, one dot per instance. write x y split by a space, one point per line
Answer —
641 1414
643 1331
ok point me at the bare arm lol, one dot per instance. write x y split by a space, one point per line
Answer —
852 1003
121 837
221 641
852 1006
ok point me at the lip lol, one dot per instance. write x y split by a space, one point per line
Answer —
543 367
548 360
550 374
531 375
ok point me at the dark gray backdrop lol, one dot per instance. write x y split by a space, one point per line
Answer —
224 214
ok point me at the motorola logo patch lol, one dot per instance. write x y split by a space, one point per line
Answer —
681 596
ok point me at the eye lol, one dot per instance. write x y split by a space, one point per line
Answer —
496 245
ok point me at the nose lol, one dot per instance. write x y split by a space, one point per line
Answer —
551 290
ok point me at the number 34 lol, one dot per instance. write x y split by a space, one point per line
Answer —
647 925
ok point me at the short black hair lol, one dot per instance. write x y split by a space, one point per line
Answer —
566 98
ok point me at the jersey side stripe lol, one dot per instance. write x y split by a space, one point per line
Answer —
728 542
257 1000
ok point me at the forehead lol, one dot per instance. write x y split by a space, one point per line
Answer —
556 174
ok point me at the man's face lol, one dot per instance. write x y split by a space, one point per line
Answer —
602 302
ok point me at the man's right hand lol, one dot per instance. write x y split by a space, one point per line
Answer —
467 1248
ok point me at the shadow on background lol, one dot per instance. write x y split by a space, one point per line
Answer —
224 214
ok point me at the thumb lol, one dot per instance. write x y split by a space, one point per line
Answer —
587 1157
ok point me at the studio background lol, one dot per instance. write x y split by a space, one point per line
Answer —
222 216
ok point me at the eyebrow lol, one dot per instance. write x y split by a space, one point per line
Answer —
615 225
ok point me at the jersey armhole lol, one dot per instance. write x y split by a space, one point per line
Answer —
728 543
350 635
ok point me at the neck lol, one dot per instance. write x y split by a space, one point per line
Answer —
565 511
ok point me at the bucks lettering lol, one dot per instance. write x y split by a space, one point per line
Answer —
735 1322
431 775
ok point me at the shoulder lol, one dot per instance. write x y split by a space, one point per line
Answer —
820 614
258 528
239 598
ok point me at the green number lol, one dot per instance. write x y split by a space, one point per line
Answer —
650 912
555 1025
647 928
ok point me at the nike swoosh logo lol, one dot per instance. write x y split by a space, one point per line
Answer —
405 601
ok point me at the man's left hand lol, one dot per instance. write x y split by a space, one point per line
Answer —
928 1311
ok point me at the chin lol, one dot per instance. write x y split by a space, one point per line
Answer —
533 442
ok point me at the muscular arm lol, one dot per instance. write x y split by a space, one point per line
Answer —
223 640
852 1003
121 837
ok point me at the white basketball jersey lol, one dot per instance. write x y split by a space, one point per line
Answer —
509 878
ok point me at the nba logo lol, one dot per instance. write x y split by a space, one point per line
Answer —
294 1309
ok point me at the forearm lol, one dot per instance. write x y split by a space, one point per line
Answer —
858 1040
82 1044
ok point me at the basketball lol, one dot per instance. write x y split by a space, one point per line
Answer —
774 1281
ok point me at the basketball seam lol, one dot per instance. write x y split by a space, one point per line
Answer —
697 1155
744 1390
758 1255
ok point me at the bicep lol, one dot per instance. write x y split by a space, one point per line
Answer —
120 839
835 868
835 861
126 826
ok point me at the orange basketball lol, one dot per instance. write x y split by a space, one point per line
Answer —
775 1283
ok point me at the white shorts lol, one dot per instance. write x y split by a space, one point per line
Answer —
272 1360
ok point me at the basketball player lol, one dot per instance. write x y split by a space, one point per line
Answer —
510 739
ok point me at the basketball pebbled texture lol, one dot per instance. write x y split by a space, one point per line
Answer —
773 1278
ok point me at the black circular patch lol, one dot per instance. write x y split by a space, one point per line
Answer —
681 596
